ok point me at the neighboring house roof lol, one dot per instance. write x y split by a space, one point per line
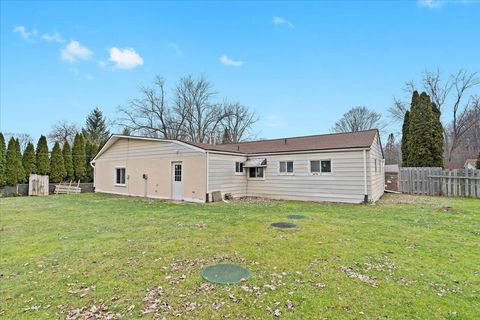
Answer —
360 139
472 162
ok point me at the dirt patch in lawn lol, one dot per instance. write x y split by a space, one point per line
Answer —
408 198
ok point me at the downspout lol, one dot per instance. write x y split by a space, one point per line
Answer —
365 188
206 180
92 164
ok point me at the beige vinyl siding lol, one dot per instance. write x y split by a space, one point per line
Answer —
222 176
376 179
153 158
344 184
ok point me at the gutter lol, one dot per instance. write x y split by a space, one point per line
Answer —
206 179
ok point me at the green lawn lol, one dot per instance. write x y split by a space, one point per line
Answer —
405 258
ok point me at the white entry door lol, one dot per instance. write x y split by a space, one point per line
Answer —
177 181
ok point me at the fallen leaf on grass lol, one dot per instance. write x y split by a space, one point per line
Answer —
364 278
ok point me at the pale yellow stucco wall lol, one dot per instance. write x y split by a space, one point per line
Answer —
158 169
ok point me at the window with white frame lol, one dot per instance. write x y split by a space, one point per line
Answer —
238 167
326 166
120 176
255 172
320 166
285 167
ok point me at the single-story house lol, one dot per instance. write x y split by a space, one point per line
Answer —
340 167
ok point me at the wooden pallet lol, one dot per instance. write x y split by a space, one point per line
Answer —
68 188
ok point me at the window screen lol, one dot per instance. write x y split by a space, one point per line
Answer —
120 176
238 167
286 167
314 166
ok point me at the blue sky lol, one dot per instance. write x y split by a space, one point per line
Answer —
299 65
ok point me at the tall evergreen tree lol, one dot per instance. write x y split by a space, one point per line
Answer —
478 161
29 161
79 158
90 152
57 167
437 137
96 129
3 152
405 129
68 161
21 172
419 134
43 162
14 171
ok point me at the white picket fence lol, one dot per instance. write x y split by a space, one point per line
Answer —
440 182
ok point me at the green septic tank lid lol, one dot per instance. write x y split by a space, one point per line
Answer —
225 273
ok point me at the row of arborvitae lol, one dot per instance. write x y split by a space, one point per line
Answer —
63 163
422 140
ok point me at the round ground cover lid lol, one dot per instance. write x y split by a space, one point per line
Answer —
296 216
283 225
225 273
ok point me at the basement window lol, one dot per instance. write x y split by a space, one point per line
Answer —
120 176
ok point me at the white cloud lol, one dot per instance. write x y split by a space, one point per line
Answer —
53 37
280 21
124 58
229 62
22 31
175 47
432 4
74 51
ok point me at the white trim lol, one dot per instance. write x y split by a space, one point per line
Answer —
241 173
115 183
286 173
113 138
287 152
320 173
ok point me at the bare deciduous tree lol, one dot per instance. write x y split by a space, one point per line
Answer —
238 121
358 119
191 114
193 102
23 139
63 131
450 95
150 114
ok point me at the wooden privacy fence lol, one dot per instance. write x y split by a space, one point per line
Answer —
440 182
